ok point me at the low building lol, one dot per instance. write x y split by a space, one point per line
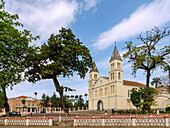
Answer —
31 104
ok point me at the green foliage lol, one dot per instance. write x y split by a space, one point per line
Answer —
1 99
167 109
14 50
55 101
62 55
138 95
146 56
156 81
45 100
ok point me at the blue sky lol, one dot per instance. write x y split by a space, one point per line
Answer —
98 24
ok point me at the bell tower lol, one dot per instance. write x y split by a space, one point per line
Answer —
116 79
93 77
115 71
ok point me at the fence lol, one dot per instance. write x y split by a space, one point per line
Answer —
46 121
122 121
90 120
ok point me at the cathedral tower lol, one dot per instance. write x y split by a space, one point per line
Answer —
116 79
93 77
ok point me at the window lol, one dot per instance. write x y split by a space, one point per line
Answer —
112 66
19 105
100 81
118 65
112 89
95 76
105 91
32 104
95 93
90 76
28 104
113 76
100 92
128 93
119 76
16 104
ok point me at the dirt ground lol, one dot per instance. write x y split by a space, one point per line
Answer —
67 127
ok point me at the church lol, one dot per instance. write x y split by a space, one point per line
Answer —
106 93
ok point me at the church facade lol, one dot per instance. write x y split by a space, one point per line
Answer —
106 93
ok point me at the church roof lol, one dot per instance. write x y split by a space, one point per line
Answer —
115 55
94 68
133 83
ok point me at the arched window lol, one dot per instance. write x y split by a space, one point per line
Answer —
113 76
90 76
119 76
112 89
95 76
118 65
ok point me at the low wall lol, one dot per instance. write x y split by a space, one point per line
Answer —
90 120
122 121
28 121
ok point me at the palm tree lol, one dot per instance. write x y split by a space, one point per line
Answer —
35 93
156 81
167 69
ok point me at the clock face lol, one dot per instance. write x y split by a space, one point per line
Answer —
100 81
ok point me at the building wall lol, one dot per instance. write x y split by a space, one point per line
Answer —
31 104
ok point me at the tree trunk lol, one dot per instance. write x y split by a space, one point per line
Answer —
60 91
146 106
156 85
6 105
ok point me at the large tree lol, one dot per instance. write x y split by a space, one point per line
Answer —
146 56
62 55
14 48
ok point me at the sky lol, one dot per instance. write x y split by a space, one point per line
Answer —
98 24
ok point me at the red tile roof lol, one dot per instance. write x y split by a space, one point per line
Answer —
22 97
133 83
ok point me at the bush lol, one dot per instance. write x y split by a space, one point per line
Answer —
167 109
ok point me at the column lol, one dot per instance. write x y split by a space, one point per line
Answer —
78 108
55 110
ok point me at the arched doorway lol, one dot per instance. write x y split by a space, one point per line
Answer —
100 105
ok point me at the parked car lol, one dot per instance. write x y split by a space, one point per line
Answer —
13 114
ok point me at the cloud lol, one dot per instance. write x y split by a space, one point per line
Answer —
89 4
143 19
44 17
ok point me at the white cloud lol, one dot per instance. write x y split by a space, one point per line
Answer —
89 4
143 19
44 17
